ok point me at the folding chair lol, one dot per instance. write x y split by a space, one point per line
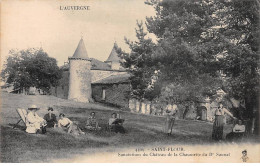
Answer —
22 113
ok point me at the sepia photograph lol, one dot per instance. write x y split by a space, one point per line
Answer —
129 81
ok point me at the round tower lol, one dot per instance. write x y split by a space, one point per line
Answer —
80 75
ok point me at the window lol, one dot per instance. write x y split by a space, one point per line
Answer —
103 93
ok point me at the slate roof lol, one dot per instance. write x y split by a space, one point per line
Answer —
114 79
99 65
113 57
95 65
81 51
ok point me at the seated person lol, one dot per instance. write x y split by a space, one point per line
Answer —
50 118
116 124
34 123
237 132
92 123
68 125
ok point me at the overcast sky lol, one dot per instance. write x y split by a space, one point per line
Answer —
27 24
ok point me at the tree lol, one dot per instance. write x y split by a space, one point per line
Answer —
240 36
139 63
178 26
31 68
241 63
204 45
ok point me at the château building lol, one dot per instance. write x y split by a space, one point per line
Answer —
87 79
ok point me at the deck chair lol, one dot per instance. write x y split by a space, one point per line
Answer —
22 114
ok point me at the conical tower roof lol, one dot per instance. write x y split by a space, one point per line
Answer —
81 51
113 57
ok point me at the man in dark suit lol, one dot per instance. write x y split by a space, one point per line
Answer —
50 118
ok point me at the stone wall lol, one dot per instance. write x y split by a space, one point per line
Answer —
144 107
101 74
115 94
80 80
62 90
192 112
147 107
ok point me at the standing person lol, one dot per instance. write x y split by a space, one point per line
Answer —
50 118
34 123
218 125
171 112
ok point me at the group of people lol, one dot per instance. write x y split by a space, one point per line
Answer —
218 125
36 124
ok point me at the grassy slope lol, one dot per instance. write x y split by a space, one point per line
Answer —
18 146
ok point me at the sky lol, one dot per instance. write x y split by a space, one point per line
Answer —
37 23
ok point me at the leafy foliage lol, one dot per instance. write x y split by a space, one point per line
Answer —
31 68
139 63
202 45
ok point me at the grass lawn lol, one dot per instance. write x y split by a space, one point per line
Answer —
142 130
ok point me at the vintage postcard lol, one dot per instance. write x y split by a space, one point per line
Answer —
129 81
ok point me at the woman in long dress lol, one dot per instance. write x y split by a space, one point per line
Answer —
34 123
218 125
68 125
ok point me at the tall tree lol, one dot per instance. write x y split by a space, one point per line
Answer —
180 55
241 61
139 64
31 68
206 44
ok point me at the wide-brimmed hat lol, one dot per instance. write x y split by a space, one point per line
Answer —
33 107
